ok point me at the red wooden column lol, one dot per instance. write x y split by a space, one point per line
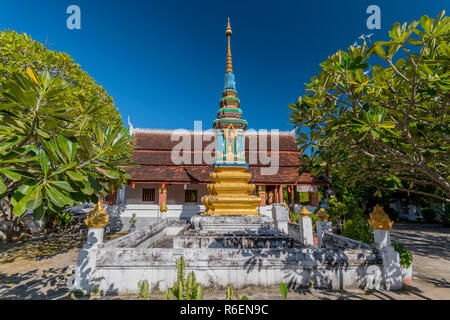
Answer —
289 195
296 195
262 195
280 190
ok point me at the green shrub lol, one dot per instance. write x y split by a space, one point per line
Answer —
304 198
358 229
405 255
428 214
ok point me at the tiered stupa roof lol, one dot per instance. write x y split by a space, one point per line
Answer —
229 112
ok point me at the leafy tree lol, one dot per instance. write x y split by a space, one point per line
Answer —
54 152
386 124
19 51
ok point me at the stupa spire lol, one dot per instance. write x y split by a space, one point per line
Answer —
228 32
230 193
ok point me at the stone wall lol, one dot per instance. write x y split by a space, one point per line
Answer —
294 230
331 240
146 215
141 238
120 269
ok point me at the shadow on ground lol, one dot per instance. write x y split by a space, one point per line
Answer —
35 284
39 248
430 240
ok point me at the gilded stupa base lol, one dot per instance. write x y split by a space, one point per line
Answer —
230 193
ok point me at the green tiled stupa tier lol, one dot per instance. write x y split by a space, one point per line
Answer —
229 112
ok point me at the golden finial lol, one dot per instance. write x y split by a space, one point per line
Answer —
97 217
322 215
304 212
228 32
379 219
229 62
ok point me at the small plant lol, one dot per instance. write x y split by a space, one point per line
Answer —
428 214
294 216
283 289
313 217
230 295
133 221
230 292
405 254
184 288
76 293
143 290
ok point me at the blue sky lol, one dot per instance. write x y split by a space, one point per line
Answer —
163 62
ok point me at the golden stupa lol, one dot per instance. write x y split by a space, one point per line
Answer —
230 191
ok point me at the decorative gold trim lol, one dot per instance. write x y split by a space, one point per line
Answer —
163 207
305 212
322 215
97 217
379 219
230 193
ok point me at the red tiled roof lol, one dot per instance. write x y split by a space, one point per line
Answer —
163 141
153 154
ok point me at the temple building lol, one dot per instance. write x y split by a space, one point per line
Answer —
244 172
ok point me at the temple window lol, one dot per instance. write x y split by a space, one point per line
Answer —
148 194
190 196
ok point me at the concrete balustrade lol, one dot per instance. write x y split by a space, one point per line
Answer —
392 270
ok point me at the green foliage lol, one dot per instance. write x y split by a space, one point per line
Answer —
143 290
54 152
295 216
18 51
358 229
385 125
283 290
339 212
304 198
61 219
313 217
405 255
429 215
76 294
185 288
